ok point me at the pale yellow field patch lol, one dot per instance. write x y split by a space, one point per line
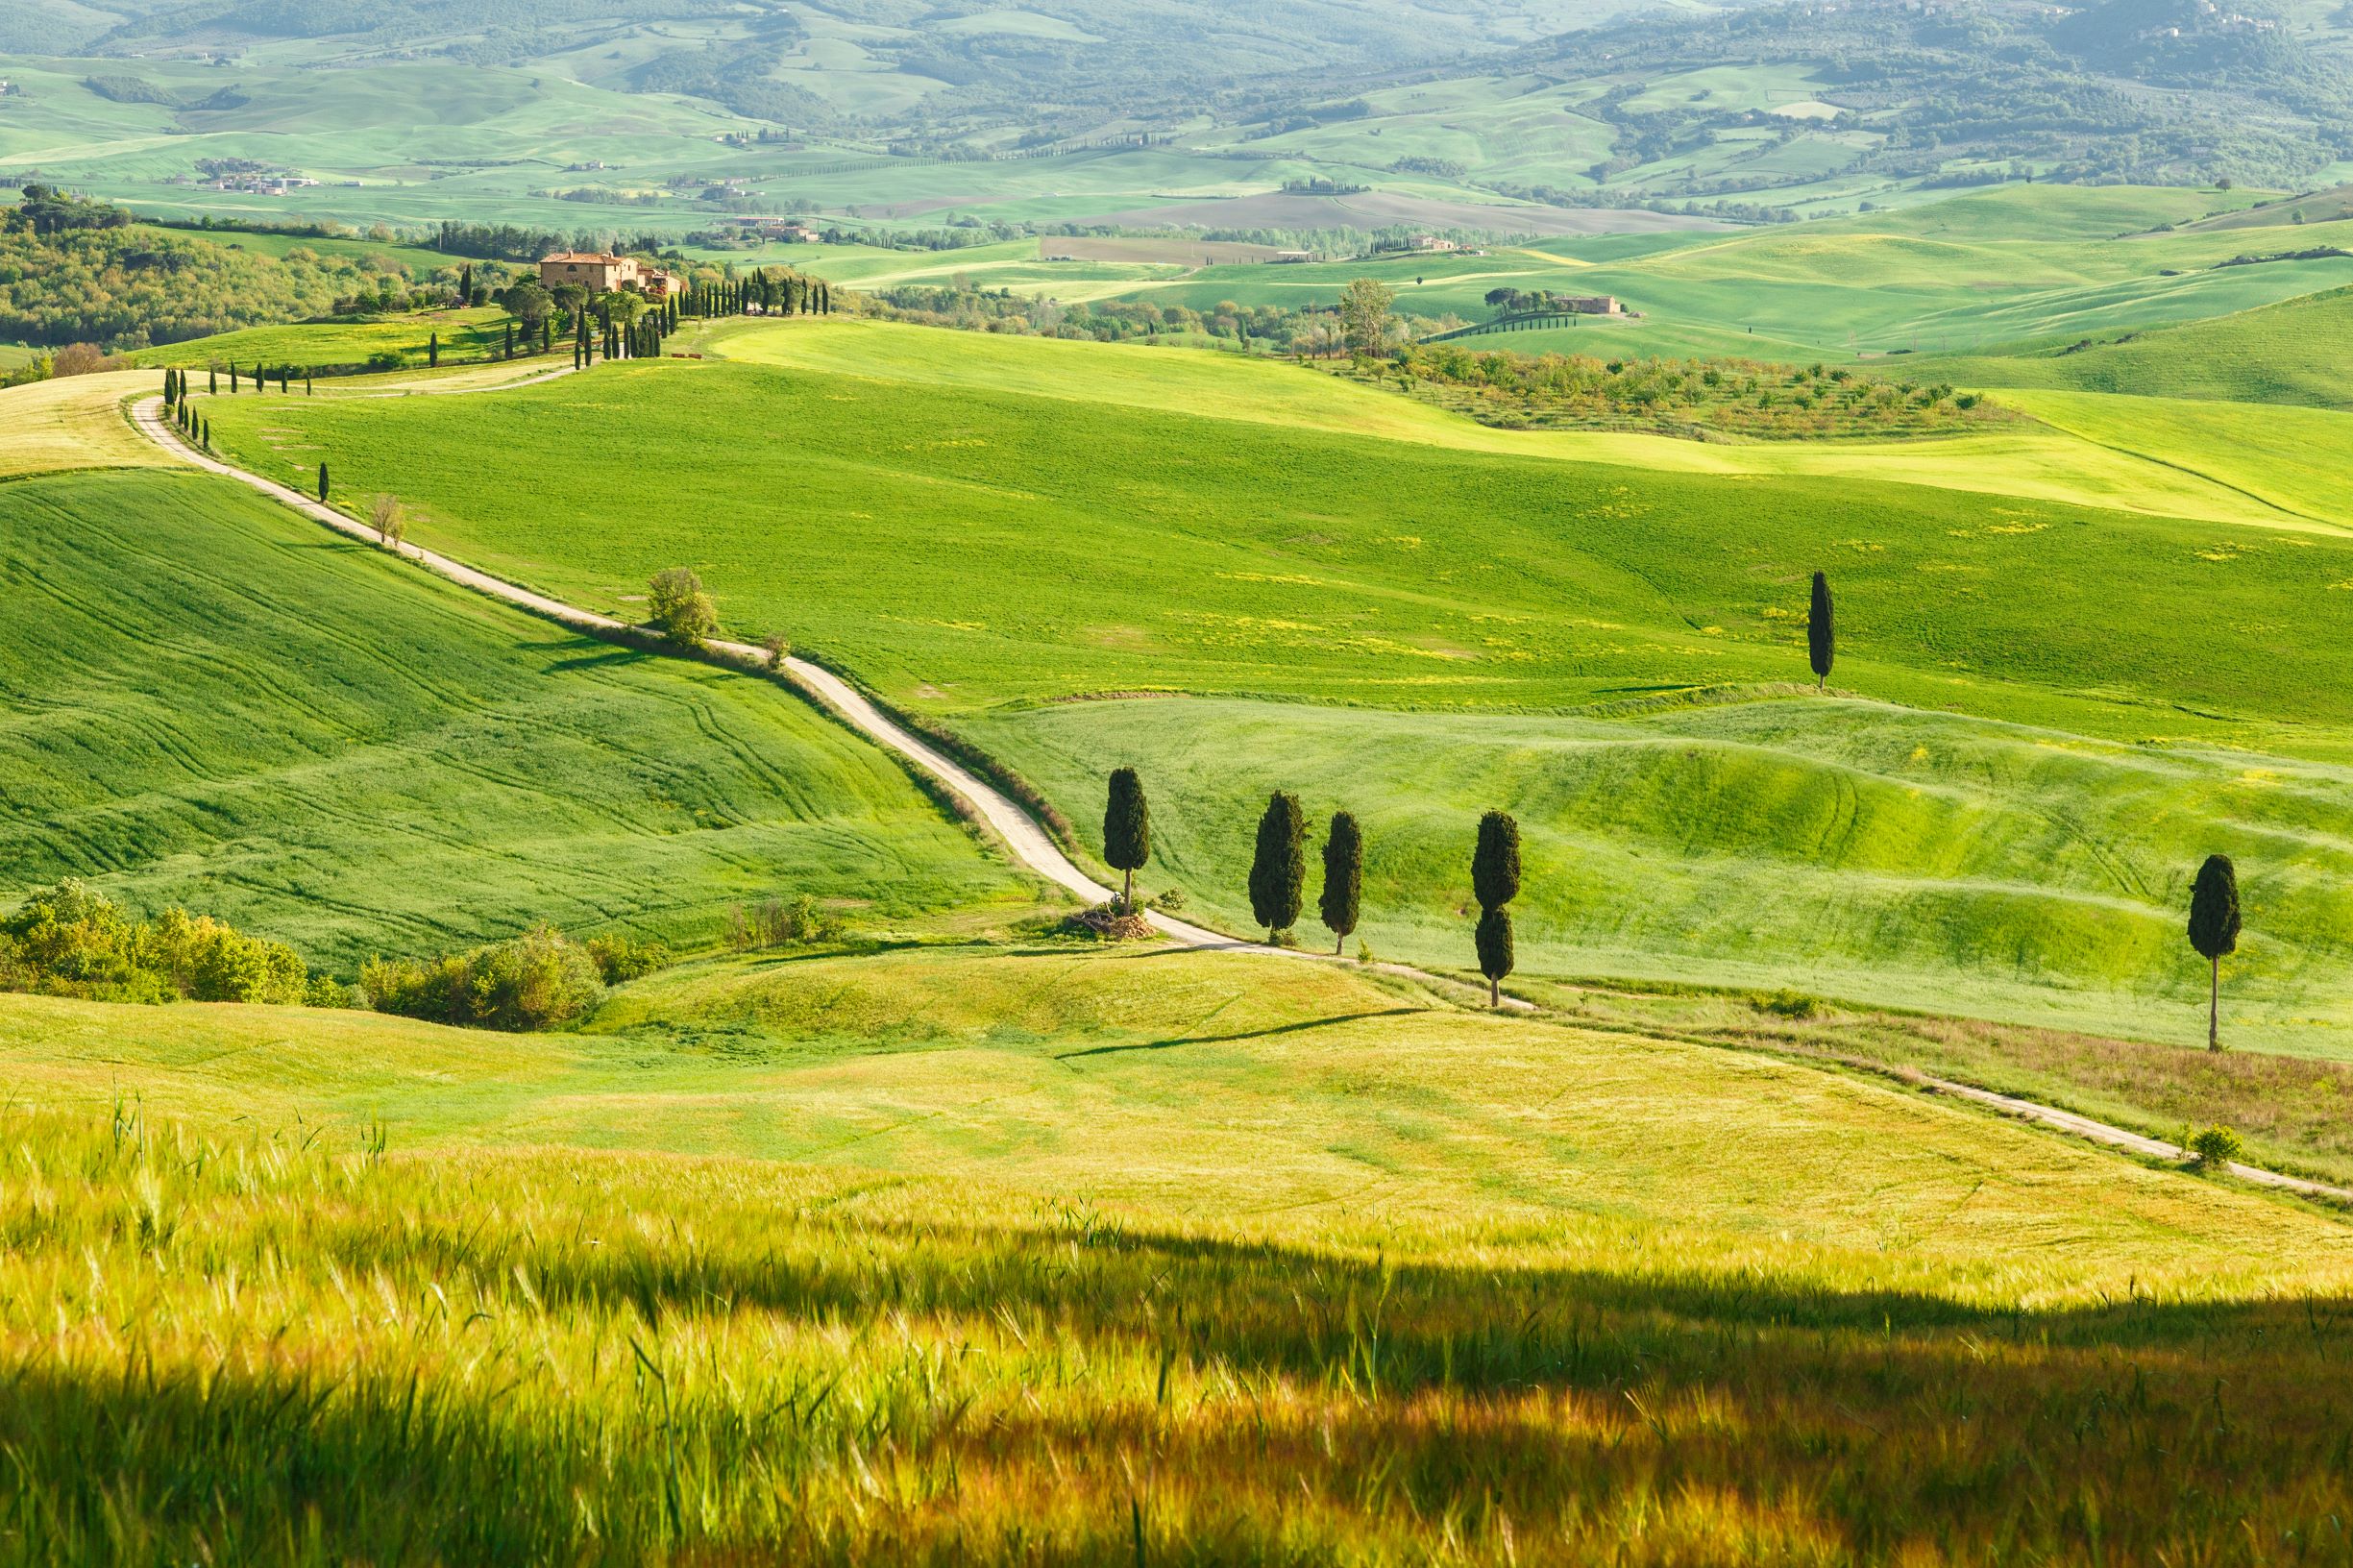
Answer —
76 422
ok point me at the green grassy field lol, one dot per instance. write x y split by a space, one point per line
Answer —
211 703
1087 1255
2014 847
2283 353
467 336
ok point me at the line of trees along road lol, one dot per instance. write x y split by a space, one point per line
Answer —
1277 865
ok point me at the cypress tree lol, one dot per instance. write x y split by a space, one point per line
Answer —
1343 878
1127 832
1495 881
1495 954
233 379
1279 869
510 340
1495 866
260 384
322 484
214 385
1821 642
2214 931
465 285
207 436
168 399
432 351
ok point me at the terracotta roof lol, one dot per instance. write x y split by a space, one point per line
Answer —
580 255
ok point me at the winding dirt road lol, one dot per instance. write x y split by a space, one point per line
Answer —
1021 834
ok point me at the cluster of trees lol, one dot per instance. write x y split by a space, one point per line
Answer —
84 277
1736 396
1318 330
70 939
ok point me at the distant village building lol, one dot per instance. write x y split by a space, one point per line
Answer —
1593 305
1430 242
600 273
791 231
1294 256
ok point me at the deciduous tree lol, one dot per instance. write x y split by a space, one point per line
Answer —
680 607
1364 308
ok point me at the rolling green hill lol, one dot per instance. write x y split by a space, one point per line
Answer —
210 703
2292 352
2015 846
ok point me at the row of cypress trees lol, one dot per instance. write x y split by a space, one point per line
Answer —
1277 871
771 294
1278 866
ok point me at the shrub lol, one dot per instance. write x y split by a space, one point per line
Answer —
1169 900
1788 1004
2214 1148
384 360
538 980
619 960
776 923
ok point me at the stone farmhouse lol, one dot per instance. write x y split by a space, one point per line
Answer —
600 272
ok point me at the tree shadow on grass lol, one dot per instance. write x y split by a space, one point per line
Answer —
1247 1033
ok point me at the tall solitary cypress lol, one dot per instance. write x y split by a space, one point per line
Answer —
1127 832
322 483
2214 931
1821 642
1279 869
215 384
465 285
1343 879
432 351
1495 881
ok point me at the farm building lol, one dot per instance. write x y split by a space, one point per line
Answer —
600 272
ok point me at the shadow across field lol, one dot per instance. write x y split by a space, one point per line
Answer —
1106 1395
1270 1031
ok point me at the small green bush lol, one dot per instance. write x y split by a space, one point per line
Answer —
620 960
777 924
539 980
2212 1149
1786 1003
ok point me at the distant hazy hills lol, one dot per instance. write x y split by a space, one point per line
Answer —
2153 90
